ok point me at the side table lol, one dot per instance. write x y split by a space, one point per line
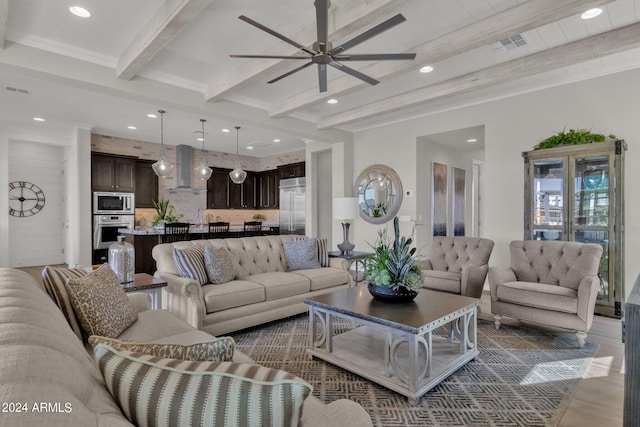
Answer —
147 284
352 257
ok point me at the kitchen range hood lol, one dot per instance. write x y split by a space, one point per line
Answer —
184 171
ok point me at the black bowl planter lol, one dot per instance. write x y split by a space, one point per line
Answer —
388 294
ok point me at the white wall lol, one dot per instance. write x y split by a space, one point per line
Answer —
607 104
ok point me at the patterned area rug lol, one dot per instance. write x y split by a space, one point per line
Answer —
522 377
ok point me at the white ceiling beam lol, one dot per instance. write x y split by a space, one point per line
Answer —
4 11
587 49
351 17
518 19
172 17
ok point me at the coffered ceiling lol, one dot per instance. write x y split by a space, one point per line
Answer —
131 58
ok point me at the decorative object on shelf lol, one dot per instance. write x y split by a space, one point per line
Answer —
259 216
573 137
392 273
202 171
165 213
379 192
122 260
25 199
345 209
162 167
323 53
237 175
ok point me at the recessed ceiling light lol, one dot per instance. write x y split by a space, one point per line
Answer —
199 139
226 130
249 147
472 140
276 140
426 69
80 11
39 119
591 13
332 101
152 116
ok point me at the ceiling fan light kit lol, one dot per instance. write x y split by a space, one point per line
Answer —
322 52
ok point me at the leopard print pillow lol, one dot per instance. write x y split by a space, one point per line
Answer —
100 303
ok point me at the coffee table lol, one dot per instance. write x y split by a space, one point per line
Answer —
393 344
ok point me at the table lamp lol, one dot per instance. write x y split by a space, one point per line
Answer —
345 209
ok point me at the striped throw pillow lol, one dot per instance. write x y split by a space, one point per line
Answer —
190 263
152 391
323 250
217 350
54 280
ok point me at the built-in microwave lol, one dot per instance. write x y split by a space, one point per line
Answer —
113 203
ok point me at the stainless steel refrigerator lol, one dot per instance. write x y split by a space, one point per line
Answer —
292 206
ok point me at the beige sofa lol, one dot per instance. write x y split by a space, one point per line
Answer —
43 363
263 289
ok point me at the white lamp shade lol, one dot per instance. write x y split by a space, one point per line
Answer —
345 208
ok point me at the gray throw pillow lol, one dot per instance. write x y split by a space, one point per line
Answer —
219 265
301 254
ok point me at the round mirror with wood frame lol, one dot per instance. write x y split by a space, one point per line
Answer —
379 192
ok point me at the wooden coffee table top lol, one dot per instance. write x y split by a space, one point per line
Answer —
428 307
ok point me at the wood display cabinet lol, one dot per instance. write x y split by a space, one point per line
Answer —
146 186
576 193
112 173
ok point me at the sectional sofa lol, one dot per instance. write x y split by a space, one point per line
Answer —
47 376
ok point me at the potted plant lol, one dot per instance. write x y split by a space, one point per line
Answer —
392 273
573 137
165 213
258 216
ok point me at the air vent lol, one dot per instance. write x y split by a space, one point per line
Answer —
509 43
17 90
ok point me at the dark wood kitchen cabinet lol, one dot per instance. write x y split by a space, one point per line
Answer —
292 170
218 189
269 192
112 173
146 186
242 196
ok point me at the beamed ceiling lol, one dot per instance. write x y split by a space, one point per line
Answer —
134 57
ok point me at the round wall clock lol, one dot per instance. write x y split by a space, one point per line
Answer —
25 199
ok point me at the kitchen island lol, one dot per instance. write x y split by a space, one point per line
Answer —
144 239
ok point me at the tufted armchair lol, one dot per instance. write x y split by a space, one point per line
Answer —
549 282
457 265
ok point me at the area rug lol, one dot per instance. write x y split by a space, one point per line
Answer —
522 377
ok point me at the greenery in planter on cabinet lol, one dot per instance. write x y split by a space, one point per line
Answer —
573 137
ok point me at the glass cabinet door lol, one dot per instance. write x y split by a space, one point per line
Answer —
548 200
590 211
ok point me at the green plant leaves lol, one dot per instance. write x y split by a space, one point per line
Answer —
572 137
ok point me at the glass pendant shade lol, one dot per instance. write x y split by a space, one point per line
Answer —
163 168
202 171
237 175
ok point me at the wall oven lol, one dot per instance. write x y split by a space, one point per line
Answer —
113 203
105 229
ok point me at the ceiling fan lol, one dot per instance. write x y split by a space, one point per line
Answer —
323 53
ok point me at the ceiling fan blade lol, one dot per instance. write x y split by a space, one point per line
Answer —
384 26
355 73
295 70
376 57
322 77
275 34
322 23
269 56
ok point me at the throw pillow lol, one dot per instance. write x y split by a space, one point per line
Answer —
100 303
54 280
219 265
301 254
323 251
169 392
218 350
190 263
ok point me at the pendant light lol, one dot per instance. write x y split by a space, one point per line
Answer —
162 167
202 171
237 175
